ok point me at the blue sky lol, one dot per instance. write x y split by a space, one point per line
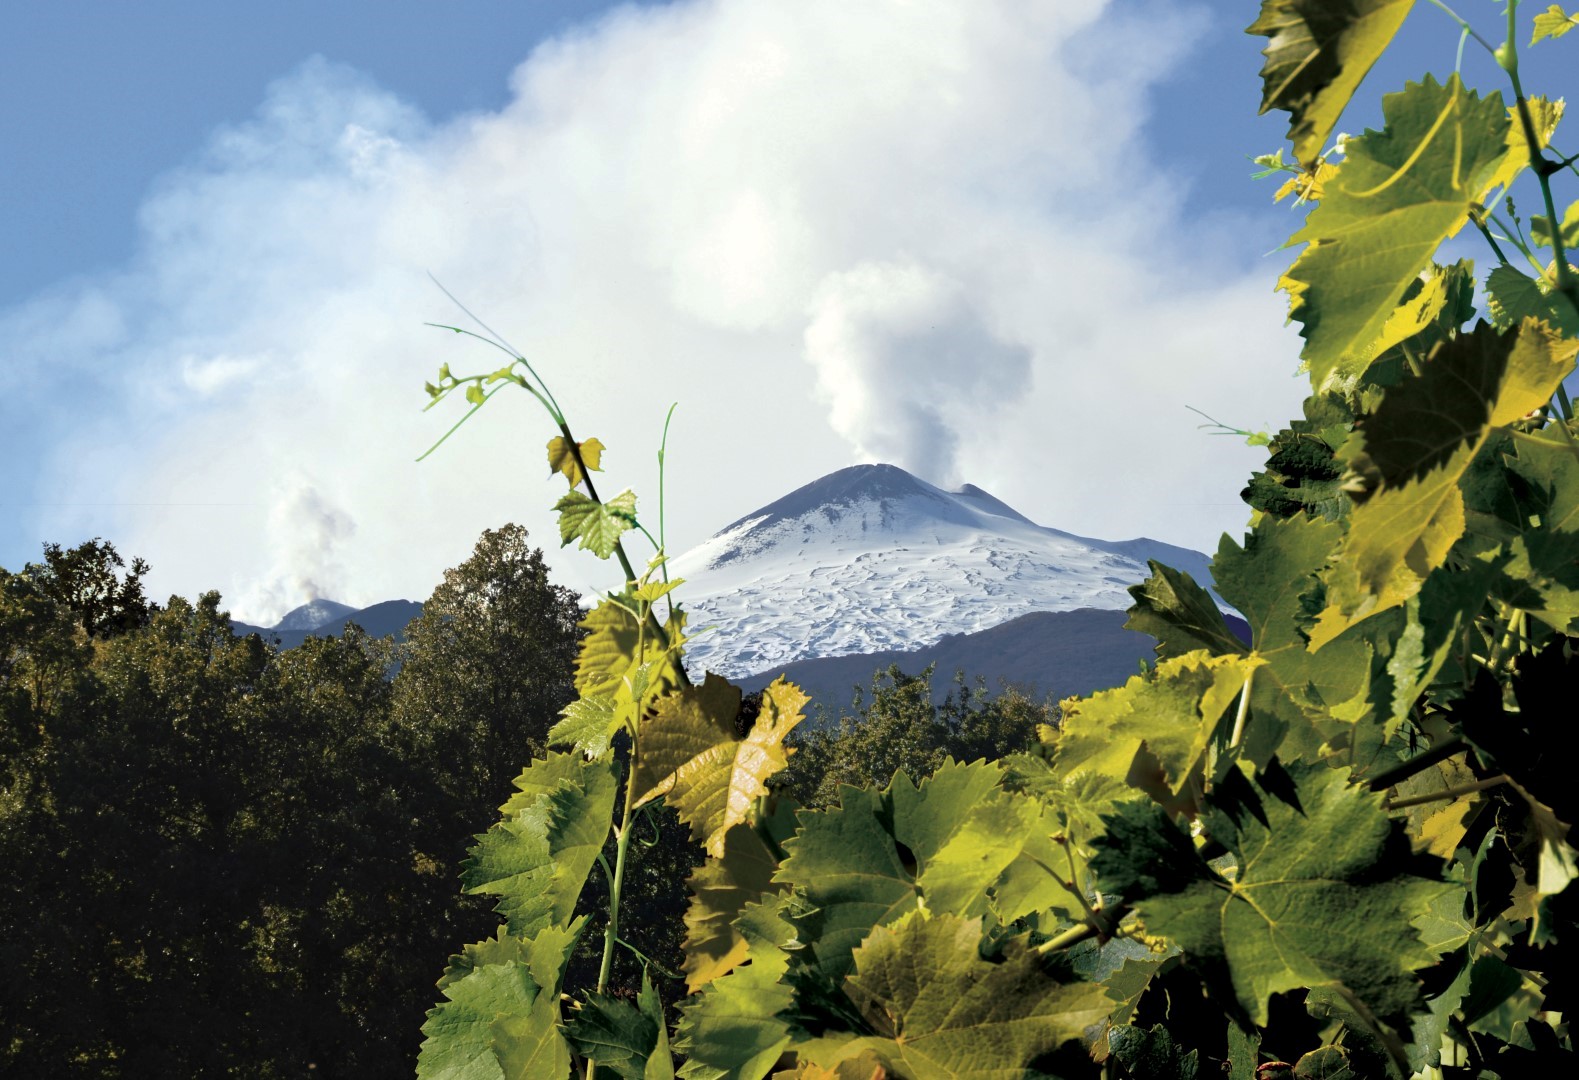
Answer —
790 218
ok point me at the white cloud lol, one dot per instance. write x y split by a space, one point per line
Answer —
922 230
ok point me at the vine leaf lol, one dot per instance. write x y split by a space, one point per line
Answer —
589 724
625 661
939 1010
1411 454
597 525
1554 22
1269 580
458 1041
1152 1055
956 842
1544 116
732 1030
1513 297
1181 615
1400 193
692 757
720 890
1160 721
1541 228
562 460
1317 55
614 1033
537 858
1318 898
532 1045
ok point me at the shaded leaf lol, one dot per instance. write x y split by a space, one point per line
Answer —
1318 896
613 1033
939 1010
1316 56
1181 615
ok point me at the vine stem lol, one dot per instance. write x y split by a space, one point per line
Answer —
611 931
1508 59
1418 764
1100 925
1446 794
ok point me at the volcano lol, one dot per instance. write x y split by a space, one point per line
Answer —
872 559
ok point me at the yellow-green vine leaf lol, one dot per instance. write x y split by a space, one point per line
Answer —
619 652
1158 722
1401 192
1554 22
1320 897
1541 228
562 460
1544 117
691 756
720 890
940 1011
1180 614
957 844
1412 453
589 724
458 1035
597 525
1317 55
544 954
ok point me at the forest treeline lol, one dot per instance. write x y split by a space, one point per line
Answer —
226 859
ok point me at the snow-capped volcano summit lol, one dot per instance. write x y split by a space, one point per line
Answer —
871 558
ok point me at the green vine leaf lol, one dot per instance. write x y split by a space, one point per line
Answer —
692 757
537 859
1317 55
458 1036
732 1031
939 1010
1319 896
1513 297
1541 228
532 1046
1297 694
1152 1055
1544 117
956 843
1400 193
1181 615
1302 474
598 525
614 1033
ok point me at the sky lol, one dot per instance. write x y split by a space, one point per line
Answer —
1003 242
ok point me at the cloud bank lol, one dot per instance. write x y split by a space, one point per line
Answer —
924 232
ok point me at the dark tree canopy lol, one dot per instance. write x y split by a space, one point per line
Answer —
226 860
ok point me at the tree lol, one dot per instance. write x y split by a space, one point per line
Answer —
224 859
487 668
87 581
901 728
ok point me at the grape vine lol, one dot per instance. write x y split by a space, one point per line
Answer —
1342 850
